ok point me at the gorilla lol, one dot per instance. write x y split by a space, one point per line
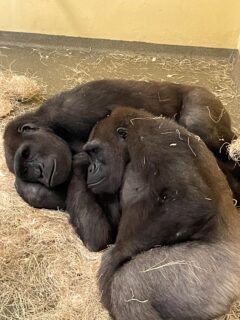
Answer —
176 255
39 146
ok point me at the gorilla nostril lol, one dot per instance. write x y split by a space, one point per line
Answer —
35 172
92 168
25 170
25 153
40 171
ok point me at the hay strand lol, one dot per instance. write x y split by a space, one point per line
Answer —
234 150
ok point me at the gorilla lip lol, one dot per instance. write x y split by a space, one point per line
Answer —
52 173
93 184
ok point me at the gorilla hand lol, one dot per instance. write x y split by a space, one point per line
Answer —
38 196
80 163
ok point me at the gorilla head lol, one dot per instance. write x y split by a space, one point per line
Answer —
107 164
36 154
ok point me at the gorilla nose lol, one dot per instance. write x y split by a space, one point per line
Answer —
37 171
91 147
33 172
92 168
25 153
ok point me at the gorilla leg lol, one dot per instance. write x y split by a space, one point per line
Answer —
232 172
212 123
173 283
205 116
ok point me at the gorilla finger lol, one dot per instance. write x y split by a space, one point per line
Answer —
81 162
81 158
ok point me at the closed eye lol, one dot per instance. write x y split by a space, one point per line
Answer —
27 128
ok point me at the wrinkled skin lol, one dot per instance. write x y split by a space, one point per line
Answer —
179 229
42 165
38 160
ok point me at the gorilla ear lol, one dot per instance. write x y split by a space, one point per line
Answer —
122 132
27 127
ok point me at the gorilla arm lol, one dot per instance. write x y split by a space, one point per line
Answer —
95 228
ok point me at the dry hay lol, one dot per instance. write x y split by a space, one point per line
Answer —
16 88
6 106
234 150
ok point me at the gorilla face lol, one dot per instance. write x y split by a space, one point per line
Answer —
43 157
108 159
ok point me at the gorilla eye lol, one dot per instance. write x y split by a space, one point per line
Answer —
27 128
122 132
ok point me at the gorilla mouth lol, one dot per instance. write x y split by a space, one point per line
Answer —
51 177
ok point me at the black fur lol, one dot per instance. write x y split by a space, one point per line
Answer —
62 125
179 230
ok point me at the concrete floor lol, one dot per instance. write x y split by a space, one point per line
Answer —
61 68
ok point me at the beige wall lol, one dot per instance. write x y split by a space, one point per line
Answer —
238 44
211 23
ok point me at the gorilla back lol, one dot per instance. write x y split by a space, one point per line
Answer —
70 116
177 250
